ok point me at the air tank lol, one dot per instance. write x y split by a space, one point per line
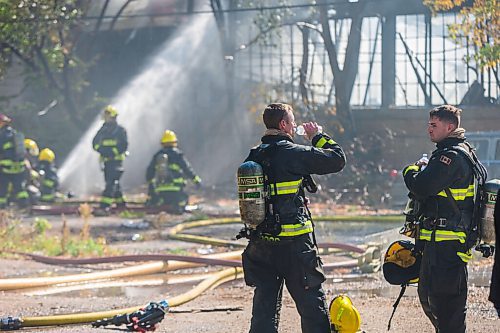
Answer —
251 194
487 220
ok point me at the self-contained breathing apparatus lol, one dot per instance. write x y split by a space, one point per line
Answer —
161 169
481 233
254 193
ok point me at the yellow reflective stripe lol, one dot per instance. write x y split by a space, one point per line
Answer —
164 188
96 147
465 256
323 141
12 167
3 200
174 167
459 193
410 167
179 180
109 142
290 187
8 145
22 195
289 230
107 200
47 197
48 182
443 235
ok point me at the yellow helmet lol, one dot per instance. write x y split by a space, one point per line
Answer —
344 316
401 263
47 155
31 147
169 138
111 111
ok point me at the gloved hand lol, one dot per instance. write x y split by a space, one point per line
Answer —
411 167
197 181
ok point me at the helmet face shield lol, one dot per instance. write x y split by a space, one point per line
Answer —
401 263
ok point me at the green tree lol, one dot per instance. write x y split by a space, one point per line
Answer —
479 24
42 34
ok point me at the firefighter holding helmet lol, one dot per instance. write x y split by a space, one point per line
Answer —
167 175
445 191
12 165
111 144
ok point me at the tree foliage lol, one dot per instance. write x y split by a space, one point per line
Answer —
479 24
43 35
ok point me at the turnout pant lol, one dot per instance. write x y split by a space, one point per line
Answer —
442 286
113 171
18 194
296 264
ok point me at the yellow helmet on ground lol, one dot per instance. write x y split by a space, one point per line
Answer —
169 138
111 111
344 317
47 155
31 147
401 263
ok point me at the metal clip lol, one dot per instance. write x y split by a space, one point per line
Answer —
10 323
441 222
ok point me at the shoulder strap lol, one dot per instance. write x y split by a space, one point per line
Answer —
395 305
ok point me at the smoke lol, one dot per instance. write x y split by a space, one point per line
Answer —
182 88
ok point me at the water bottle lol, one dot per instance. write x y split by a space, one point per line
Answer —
423 161
299 130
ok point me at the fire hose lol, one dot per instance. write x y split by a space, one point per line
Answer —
105 317
135 320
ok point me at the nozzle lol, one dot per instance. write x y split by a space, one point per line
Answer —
10 323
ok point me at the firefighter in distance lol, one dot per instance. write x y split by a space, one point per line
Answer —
167 175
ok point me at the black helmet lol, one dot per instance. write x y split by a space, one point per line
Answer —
401 263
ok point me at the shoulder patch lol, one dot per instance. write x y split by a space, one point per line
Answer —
445 159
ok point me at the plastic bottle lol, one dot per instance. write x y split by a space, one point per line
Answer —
299 130
423 161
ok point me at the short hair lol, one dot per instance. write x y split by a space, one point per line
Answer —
448 113
274 113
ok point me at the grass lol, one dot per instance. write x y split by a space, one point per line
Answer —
15 236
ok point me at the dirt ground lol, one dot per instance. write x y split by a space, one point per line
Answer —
228 307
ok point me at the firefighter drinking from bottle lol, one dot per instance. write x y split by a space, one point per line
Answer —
282 248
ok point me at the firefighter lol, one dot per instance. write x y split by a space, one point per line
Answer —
444 190
111 144
12 167
32 176
495 276
32 152
168 173
282 249
49 181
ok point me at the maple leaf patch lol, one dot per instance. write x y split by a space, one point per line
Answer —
445 159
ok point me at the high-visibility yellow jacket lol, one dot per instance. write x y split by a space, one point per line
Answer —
285 165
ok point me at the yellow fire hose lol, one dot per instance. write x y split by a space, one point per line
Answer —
175 232
144 269
155 267
79 318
